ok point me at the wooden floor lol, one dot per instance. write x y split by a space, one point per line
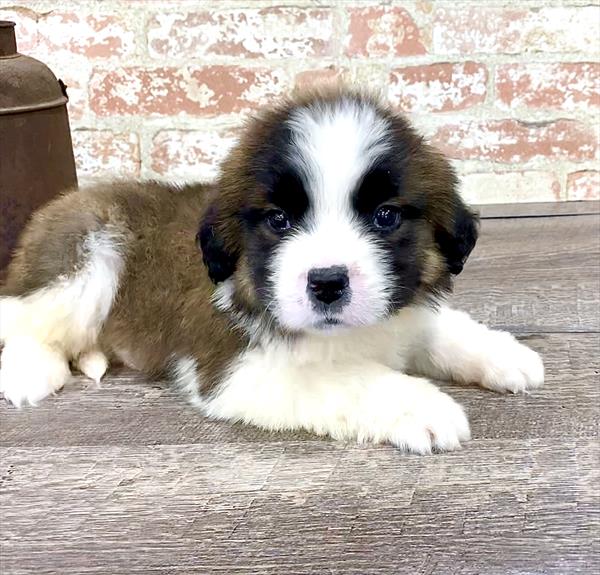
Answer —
127 479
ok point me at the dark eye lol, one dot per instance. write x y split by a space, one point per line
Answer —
278 220
386 218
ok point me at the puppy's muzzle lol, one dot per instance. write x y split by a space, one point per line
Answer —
329 287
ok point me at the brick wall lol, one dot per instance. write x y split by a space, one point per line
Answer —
509 90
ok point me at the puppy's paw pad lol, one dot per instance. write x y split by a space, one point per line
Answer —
31 372
93 364
513 367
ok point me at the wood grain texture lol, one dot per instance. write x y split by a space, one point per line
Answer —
301 507
127 479
534 275
535 209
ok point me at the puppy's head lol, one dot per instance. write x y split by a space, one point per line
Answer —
331 211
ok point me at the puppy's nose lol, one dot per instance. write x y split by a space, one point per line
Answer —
328 285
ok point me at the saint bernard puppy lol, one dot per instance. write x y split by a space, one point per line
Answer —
303 289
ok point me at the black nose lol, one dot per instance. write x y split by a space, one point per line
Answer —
328 285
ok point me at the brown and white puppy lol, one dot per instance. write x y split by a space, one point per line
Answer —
329 241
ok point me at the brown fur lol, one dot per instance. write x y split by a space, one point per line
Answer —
163 304
429 180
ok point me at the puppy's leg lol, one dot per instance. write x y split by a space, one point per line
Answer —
44 329
366 402
31 370
451 345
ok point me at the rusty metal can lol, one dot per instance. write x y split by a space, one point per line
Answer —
36 152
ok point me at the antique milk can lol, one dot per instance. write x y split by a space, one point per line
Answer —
36 153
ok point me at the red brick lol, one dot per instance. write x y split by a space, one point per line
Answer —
92 36
328 76
280 32
192 154
26 29
506 187
438 87
103 153
496 30
561 85
380 31
515 141
583 185
167 91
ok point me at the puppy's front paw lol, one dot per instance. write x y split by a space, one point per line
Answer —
424 419
511 366
31 371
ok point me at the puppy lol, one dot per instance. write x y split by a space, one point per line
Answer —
328 243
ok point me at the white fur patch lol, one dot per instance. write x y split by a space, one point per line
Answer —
336 242
344 386
361 400
349 386
64 317
93 364
333 146
69 313
31 370
186 379
451 345
223 295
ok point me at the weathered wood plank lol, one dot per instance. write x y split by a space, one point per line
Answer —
534 275
538 209
306 507
129 410
129 479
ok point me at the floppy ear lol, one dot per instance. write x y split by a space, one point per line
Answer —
219 261
458 240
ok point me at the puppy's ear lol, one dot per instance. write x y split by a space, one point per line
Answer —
218 259
457 240
455 226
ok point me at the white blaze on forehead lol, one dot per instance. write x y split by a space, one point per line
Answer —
333 146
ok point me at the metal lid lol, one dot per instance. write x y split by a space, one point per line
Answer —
25 83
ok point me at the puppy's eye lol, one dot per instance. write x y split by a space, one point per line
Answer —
386 218
278 220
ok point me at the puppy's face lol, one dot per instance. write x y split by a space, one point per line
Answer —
333 213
